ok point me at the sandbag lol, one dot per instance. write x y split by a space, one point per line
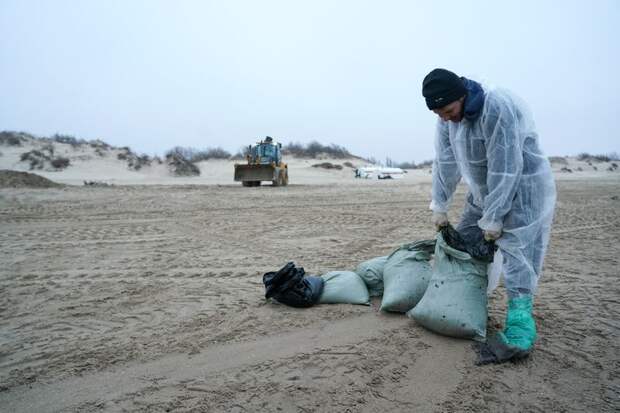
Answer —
406 275
289 285
371 272
455 302
344 287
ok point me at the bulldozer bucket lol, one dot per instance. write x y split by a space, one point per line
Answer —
256 173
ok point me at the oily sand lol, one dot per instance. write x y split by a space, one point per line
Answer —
149 298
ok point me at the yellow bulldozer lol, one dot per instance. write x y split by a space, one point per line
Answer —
264 163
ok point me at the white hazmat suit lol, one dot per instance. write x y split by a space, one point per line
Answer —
511 186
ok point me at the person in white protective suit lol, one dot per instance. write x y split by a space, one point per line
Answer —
488 138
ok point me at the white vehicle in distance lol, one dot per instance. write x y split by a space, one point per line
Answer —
382 172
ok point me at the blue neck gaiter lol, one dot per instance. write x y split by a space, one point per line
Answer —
474 100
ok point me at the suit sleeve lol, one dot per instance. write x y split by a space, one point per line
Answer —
446 173
504 164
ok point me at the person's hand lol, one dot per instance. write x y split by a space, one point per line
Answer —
492 235
440 220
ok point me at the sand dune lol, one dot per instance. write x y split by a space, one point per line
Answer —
92 163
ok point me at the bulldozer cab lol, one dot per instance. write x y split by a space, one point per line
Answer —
266 152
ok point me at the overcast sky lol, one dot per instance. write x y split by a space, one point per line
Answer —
155 74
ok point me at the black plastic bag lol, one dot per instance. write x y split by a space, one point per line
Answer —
495 350
289 285
471 242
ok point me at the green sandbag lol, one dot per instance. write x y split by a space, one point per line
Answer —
344 287
455 303
406 275
371 272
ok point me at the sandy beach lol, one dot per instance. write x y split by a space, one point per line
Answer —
149 298
134 269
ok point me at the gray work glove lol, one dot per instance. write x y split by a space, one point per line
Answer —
440 220
492 235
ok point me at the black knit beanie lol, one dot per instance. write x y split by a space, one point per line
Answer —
442 87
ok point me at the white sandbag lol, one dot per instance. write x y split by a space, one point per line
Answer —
371 272
344 287
406 275
455 302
